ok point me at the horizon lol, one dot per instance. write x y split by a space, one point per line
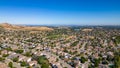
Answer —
60 12
55 24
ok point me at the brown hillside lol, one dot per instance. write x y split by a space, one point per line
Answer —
14 27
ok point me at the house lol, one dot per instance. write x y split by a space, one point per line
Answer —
27 59
3 65
102 66
67 56
4 46
54 66
21 58
32 63
14 47
85 65
4 52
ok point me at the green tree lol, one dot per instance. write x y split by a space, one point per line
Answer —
97 61
15 59
117 60
10 64
19 51
1 58
28 54
42 60
23 64
45 65
117 40
5 55
83 60
75 43
9 49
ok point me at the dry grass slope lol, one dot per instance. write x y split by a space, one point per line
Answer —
17 27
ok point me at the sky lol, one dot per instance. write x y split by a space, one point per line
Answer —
60 12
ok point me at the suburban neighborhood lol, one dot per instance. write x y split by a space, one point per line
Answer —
61 47
59 33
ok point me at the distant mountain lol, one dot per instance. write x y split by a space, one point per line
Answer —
19 27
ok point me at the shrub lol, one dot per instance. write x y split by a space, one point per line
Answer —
19 51
10 64
23 64
15 59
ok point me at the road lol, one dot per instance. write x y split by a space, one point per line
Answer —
83 46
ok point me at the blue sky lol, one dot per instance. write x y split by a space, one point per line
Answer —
63 12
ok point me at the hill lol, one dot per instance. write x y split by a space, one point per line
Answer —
18 27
